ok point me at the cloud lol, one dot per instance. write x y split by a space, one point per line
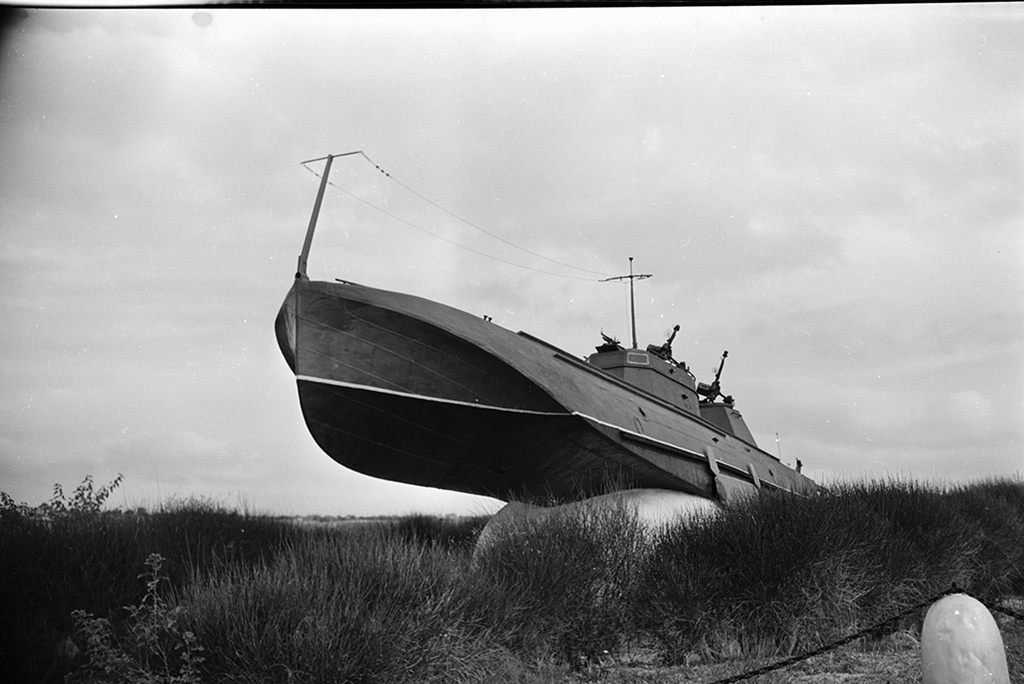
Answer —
832 194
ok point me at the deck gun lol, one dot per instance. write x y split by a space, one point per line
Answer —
714 390
664 352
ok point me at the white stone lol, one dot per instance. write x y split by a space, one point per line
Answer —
961 644
654 509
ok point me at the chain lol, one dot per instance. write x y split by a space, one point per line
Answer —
1006 611
786 662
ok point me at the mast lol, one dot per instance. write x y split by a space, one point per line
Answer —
304 256
632 302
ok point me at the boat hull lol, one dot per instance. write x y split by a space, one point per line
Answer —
406 389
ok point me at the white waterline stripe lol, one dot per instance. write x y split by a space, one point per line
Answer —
423 397
640 437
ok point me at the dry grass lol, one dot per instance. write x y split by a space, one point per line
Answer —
585 598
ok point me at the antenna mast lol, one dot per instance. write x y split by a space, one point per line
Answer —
632 302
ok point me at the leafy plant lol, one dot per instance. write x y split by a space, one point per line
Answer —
156 648
86 500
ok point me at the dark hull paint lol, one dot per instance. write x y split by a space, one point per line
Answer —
406 389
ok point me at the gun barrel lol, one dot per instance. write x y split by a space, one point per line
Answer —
718 375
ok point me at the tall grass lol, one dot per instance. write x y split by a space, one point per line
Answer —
364 605
559 587
782 573
407 601
68 554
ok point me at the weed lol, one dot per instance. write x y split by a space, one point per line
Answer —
155 649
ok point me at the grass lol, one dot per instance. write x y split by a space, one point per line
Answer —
195 592
780 574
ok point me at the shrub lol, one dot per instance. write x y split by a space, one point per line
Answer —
154 649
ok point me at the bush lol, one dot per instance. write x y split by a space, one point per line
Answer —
154 649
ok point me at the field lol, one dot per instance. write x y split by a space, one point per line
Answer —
193 592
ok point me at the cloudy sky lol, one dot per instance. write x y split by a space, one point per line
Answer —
833 195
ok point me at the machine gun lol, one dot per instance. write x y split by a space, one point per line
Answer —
610 344
664 352
714 390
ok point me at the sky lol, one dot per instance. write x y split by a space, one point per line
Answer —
832 194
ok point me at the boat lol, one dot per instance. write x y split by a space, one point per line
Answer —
411 390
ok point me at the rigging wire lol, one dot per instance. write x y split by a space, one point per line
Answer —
459 218
473 225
